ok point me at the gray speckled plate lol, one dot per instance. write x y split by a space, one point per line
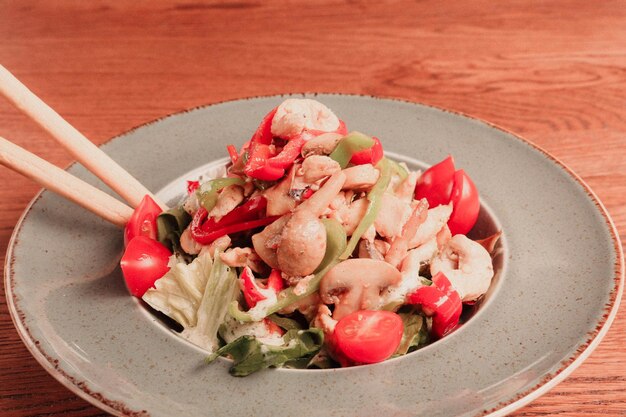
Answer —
559 282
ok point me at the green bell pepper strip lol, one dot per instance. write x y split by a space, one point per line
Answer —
349 145
335 245
207 193
375 198
398 169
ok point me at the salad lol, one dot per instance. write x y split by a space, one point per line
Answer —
312 250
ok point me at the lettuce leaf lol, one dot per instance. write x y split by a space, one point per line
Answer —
197 296
222 288
179 292
251 355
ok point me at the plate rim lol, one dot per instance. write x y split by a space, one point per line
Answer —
549 381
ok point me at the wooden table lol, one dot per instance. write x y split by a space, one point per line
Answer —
554 72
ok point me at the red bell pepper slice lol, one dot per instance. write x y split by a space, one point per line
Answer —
368 156
442 302
250 210
232 152
204 237
257 166
263 133
288 155
252 291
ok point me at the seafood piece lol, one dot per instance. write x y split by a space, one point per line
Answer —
369 250
393 214
406 189
236 257
321 145
400 244
316 167
293 116
466 264
360 177
228 199
436 219
188 243
350 216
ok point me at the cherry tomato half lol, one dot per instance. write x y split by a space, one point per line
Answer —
435 184
369 156
144 261
143 220
442 184
465 204
368 336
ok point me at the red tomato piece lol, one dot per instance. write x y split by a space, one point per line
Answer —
465 204
368 336
144 261
435 184
369 156
143 220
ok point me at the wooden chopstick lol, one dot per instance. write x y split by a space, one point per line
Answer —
63 183
92 157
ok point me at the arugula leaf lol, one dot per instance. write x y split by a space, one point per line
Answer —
285 322
415 333
251 355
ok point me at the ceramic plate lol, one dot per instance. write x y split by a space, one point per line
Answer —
556 292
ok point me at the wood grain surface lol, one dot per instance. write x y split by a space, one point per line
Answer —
554 72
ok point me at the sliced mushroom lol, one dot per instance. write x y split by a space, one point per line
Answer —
266 242
357 284
279 199
303 240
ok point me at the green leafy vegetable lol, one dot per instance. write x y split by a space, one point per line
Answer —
335 245
349 145
285 322
170 225
222 288
197 296
179 292
415 333
251 355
